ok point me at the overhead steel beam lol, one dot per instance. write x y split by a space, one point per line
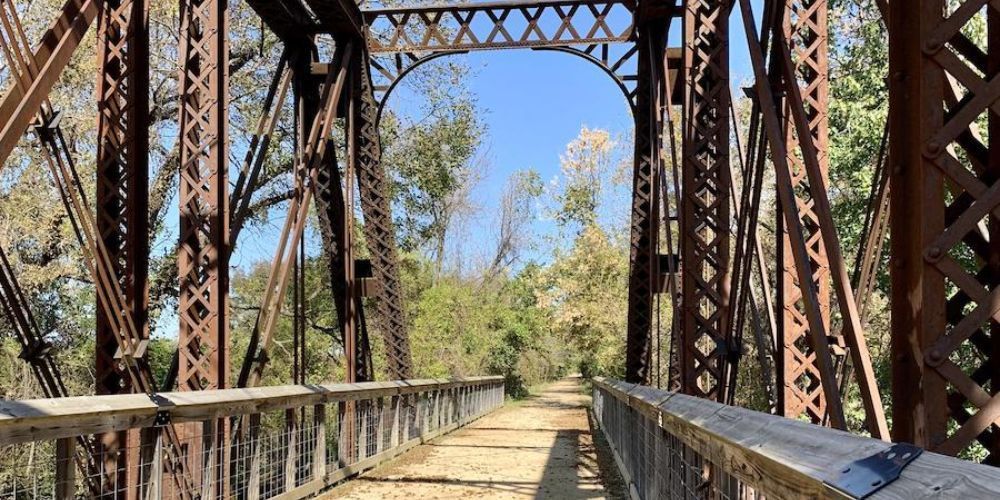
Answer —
339 18
500 25
290 20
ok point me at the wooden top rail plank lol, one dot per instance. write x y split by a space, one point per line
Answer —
788 458
47 419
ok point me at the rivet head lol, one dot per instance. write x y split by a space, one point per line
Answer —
935 357
932 46
897 169
933 254
933 149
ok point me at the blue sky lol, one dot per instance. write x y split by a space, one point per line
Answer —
536 102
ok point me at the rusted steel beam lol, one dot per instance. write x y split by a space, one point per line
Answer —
290 20
944 200
804 30
111 298
203 255
253 162
779 154
644 233
314 148
705 221
485 26
122 196
203 260
854 335
379 230
21 103
340 18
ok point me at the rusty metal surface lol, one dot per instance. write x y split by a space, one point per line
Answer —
122 196
203 259
804 29
644 229
705 221
482 26
20 104
379 230
944 272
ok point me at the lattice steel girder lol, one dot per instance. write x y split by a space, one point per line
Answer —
379 230
945 271
123 172
804 29
705 224
643 254
20 105
121 202
500 25
203 260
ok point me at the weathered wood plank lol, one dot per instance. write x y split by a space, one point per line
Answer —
49 419
786 458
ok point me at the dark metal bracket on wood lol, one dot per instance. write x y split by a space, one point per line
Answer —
862 478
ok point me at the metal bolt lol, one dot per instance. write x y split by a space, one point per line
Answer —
933 254
935 357
933 149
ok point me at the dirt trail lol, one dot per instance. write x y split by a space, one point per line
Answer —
541 448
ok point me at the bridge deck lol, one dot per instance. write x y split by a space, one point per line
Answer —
541 448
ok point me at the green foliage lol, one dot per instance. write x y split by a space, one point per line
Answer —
585 293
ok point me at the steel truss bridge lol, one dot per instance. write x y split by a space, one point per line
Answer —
198 433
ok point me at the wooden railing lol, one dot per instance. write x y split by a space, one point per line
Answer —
669 445
269 442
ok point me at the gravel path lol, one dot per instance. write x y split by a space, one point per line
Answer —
540 448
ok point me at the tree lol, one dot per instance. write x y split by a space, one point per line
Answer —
516 214
431 159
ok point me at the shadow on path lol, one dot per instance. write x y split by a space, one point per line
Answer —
538 449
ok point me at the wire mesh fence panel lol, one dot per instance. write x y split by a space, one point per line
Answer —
657 463
287 442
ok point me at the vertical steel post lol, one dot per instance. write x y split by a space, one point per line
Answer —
943 216
705 221
804 30
643 259
379 231
122 207
203 259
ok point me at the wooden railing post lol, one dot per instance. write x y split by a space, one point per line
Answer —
151 460
65 469
253 470
396 404
291 455
319 453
